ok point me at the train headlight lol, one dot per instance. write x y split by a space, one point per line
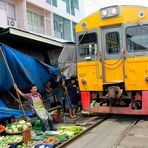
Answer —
114 11
104 13
109 12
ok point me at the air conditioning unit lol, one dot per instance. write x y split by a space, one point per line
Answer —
12 23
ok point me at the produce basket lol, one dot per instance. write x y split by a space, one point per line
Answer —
17 127
10 141
54 139
13 133
26 135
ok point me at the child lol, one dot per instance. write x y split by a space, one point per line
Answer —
72 92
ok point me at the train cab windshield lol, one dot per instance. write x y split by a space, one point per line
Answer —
137 38
88 45
112 43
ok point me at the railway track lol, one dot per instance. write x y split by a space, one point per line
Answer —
107 132
126 132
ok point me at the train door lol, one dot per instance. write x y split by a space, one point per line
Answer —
112 63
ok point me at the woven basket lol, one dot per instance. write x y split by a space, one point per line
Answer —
26 135
13 133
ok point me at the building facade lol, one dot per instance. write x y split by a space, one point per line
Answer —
53 18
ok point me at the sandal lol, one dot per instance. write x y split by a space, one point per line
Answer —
74 116
71 117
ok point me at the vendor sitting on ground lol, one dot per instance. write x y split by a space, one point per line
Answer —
35 99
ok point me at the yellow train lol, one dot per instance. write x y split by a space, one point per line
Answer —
112 60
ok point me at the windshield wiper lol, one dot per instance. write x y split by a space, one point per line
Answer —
141 25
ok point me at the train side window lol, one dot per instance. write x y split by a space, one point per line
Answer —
137 38
112 42
88 45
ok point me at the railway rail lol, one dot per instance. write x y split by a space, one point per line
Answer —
126 132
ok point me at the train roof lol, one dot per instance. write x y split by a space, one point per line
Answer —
127 14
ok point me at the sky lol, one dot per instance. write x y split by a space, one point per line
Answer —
94 5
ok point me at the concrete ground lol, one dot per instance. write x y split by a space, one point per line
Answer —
138 136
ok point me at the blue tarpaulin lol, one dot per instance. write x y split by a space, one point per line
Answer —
25 70
8 112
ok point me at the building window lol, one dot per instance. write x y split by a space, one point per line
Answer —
73 28
11 11
72 8
71 5
68 6
54 3
76 4
3 4
48 1
35 22
62 27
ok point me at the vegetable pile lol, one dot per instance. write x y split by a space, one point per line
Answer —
2 143
9 139
54 139
50 140
2 128
28 144
17 127
70 130
94 104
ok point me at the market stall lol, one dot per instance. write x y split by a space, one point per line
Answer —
21 134
22 70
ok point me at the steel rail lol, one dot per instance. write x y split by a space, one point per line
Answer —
126 132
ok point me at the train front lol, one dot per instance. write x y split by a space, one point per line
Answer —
112 60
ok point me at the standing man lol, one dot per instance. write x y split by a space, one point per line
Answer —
35 99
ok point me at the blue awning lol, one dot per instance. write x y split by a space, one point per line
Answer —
25 70
6 112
